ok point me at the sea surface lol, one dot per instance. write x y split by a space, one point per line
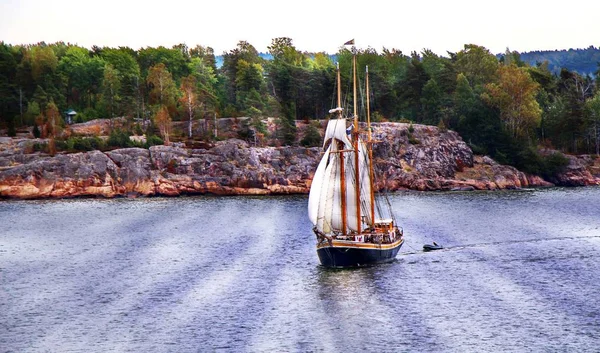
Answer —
520 272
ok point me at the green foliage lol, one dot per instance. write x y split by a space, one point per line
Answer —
422 87
111 86
40 97
40 147
8 91
206 54
530 161
124 61
527 160
138 129
311 138
153 140
89 114
515 97
33 110
163 90
119 138
81 74
478 150
245 132
246 53
249 76
204 71
249 101
477 64
431 102
258 125
583 61
175 59
554 164
296 78
377 117
288 125
411 90
413 140
81 144
442 126
252 128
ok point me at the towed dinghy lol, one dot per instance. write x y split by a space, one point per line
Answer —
432 247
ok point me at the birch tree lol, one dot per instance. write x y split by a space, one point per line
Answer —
189 100
162 86
514 95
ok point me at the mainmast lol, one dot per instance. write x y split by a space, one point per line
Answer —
370 147
355 146
342 162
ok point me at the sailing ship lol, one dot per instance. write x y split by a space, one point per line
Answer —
353 226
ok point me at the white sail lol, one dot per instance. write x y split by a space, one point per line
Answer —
324 202
364 187
335 210
327 201
365 181
351 193
314 196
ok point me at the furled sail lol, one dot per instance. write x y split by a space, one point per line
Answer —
336 129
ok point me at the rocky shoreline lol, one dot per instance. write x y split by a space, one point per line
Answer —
408 158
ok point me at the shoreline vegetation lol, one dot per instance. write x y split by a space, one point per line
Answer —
408 156
166 121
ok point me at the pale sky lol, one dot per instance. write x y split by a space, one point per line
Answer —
313 25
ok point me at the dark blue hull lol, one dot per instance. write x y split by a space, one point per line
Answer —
339 256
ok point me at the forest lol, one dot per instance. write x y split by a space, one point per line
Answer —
583 61
502 106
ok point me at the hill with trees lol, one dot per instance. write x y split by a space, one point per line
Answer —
503 106
582 61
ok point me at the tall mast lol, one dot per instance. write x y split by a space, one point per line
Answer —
339 90
342 160
370 147
355 143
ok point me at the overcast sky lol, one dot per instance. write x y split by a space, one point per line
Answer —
314 25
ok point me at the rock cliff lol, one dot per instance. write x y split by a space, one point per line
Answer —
417 158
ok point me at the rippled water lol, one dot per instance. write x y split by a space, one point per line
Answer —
520 272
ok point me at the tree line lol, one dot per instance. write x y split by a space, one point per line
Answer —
501 105
583 61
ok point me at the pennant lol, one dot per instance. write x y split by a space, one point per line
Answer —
350 42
